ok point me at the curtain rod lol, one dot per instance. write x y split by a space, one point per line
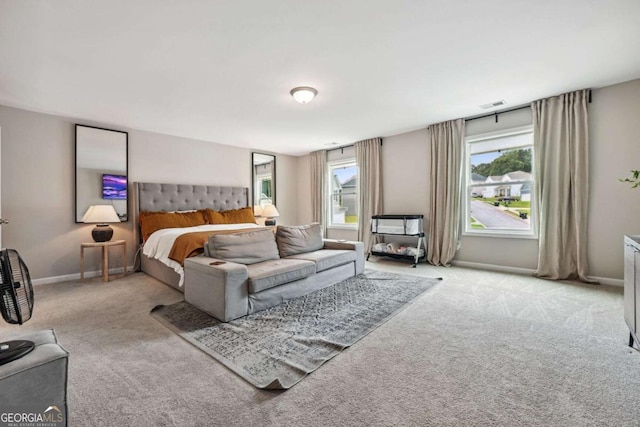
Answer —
342 147
496 113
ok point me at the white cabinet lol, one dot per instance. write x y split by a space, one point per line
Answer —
632 286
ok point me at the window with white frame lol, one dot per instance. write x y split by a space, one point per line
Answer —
343 194
263 189
500 183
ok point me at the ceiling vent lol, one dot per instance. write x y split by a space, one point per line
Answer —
493 104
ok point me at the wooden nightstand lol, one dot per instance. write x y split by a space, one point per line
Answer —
105 256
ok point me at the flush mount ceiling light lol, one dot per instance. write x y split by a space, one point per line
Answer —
303 94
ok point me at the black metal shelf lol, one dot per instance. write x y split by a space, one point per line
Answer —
411 258
420 235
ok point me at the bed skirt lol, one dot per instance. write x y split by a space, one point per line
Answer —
158 270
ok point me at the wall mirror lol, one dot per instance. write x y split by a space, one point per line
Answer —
101 170
263 179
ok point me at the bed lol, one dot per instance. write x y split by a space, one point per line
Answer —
157 197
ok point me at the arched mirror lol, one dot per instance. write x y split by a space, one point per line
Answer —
263 179
101 170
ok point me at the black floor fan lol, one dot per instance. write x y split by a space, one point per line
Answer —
16 302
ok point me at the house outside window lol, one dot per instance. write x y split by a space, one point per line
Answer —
499 184
343 203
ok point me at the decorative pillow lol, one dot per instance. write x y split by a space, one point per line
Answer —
299 239
154 221
244 248
234 216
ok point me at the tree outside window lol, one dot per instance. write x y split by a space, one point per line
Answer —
499 183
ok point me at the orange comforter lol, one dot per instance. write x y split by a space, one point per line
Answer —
192 244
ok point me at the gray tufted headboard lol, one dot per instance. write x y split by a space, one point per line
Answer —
182 197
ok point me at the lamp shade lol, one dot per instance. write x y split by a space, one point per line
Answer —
257 210
270 211
303 94
100 214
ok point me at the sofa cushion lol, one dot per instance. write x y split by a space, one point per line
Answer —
299 239
244 248
327 258
269 274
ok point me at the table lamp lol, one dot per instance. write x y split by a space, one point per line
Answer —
101 215
270 212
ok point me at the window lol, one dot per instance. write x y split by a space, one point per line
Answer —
264 187
499 184
343 186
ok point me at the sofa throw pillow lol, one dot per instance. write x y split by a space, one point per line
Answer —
244 248
233 216
299 239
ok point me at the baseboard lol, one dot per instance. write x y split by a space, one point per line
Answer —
76 276
477 265
493 267
608 281
529 271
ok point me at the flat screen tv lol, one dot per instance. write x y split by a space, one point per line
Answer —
114 187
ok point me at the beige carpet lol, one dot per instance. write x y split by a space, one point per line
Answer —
479 349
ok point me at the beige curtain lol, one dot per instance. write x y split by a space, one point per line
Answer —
446 141
561 143
319 191
368 160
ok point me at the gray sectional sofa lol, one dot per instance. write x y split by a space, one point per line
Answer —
248 272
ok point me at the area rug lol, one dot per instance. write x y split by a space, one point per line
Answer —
278 347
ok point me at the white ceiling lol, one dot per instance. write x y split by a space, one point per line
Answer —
221 71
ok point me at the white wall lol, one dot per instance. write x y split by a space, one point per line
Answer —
405 174
303 199
614 131
614 208
37 193
505 252
38 185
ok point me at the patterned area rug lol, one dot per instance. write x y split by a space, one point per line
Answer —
278 347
